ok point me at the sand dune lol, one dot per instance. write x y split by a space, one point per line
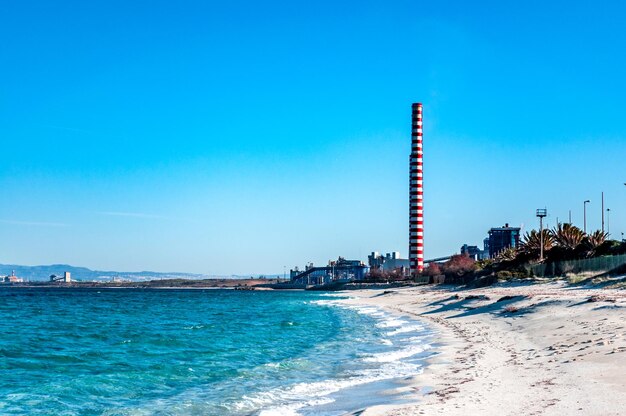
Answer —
544 349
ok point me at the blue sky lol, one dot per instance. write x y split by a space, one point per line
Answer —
242 137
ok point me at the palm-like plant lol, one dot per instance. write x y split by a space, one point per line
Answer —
508 254
568 236
596 238
531 243
593 241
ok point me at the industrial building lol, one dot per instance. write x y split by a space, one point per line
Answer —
12 278
340 270
66 278
388 262
501 238
474 252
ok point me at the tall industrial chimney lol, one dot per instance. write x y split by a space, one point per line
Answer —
416 194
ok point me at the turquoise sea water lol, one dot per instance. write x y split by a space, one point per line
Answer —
198 352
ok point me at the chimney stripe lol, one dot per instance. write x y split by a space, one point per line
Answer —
416 192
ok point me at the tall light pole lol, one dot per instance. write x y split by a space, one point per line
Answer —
585 215
602 211
541 213
608 222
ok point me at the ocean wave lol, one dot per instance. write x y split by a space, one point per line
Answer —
193 327
405 329
360 309
287 401
292 409
322 302
384 361
368 311
391 323
393 356
288 364
337 295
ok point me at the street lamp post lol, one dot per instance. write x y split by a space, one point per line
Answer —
541 213
602 208
608 222
585 215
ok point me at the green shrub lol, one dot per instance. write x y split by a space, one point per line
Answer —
504 274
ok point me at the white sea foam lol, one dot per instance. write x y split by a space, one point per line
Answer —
194 327
322 302
415 339
287 401
392 370
393 356
360 309
395 363
368 311
391 323
405 329
377 366
337 295
279 411
292 409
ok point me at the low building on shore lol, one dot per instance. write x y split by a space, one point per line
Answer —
389 262
340 270
12 278
474 252
66 278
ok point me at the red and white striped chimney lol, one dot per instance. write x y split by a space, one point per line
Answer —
416 194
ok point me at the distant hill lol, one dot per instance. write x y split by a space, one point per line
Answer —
39 273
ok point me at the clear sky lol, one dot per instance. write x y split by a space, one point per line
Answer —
241 137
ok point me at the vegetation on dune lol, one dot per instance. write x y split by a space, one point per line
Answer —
508 254
432 270
567 236
530 246
378 275
459 265
563 242
594 241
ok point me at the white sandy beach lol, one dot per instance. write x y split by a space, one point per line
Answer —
547 351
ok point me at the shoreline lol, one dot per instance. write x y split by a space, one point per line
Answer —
536 349
153 284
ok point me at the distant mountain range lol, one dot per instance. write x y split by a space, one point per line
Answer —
39 273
